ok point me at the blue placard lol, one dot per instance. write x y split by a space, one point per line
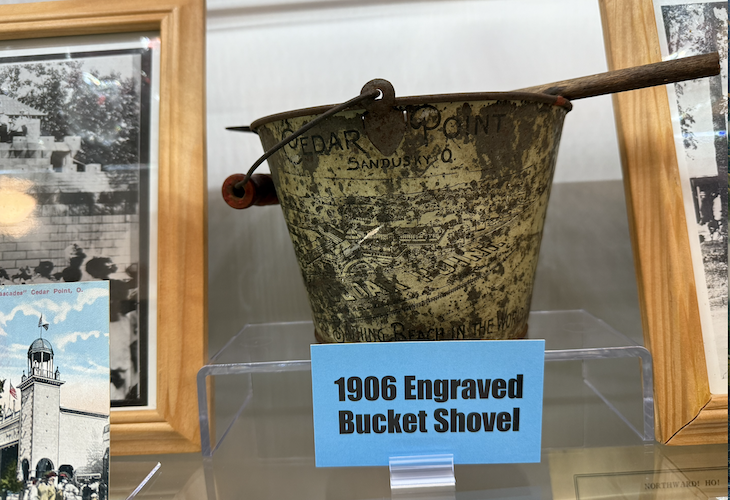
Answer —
480 401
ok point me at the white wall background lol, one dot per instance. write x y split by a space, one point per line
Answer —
266 56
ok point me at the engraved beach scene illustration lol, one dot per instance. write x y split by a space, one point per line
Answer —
433 238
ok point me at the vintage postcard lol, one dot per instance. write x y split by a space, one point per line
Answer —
54 390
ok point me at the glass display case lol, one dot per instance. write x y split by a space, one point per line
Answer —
598 428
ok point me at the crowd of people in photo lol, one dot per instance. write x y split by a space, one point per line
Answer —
123 314
63 487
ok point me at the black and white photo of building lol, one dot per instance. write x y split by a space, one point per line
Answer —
74 167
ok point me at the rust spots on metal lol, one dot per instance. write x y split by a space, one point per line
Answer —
423 225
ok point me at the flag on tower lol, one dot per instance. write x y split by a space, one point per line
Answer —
41 323
13 391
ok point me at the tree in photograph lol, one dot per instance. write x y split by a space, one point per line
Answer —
46 87
10 483
104 110
106 115
95 459
699 29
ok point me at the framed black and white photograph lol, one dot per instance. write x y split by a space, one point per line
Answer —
78 149
699 119
673 145
102 177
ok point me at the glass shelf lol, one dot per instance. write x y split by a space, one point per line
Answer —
255 402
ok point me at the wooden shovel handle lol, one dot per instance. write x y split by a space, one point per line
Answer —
639 77
260 189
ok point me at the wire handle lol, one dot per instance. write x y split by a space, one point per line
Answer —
366 94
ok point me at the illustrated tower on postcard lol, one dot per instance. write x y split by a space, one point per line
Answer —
39 410
54 388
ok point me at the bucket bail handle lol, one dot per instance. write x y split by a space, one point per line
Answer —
385 96
373 91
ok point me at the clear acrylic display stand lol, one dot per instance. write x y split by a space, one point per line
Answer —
413 475
146 482
255 407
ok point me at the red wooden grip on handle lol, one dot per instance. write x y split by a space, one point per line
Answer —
259 190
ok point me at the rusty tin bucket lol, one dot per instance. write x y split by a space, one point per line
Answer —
418 218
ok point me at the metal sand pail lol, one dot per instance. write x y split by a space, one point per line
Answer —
418 218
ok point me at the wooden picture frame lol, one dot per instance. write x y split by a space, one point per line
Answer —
685 409
172 426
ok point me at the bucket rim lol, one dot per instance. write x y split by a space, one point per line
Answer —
554 100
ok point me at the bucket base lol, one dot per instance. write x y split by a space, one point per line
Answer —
522 334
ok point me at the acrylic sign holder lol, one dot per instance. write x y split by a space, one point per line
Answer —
146 483
255 406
